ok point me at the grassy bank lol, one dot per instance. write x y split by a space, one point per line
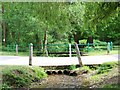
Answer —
20 76
105 76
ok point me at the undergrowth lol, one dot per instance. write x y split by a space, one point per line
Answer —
20 76
106 67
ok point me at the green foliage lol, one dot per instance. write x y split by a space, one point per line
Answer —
21 76
59 47
115 86
95 41
5 86
106 67
72 67
83 41
117 42
39 72
85 68
27 22
99 42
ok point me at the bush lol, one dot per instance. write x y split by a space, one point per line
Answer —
116 86
21 76
83 41
106 67
85 68
99 42
57 47
72 67
5 86
39 72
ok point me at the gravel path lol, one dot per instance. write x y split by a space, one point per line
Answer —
57 61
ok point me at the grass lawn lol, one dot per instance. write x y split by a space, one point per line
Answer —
13 53
102 52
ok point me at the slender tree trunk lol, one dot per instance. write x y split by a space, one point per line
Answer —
18 38
45 43
3 27
38 42
4 33
76 38
13 34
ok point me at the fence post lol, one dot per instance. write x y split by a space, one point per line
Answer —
108 48
70 53
78 54
16 49
30 54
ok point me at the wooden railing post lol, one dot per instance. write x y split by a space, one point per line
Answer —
78 54
30 54
16 49
70 53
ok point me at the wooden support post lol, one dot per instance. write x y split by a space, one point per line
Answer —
78 54
30 54
16 49
70 54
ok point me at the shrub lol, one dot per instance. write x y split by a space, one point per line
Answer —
99 42
72 67
94 67
85 68
57 47
106 67
83 41
39 72
5 87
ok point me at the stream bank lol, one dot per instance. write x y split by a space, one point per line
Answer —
87 80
